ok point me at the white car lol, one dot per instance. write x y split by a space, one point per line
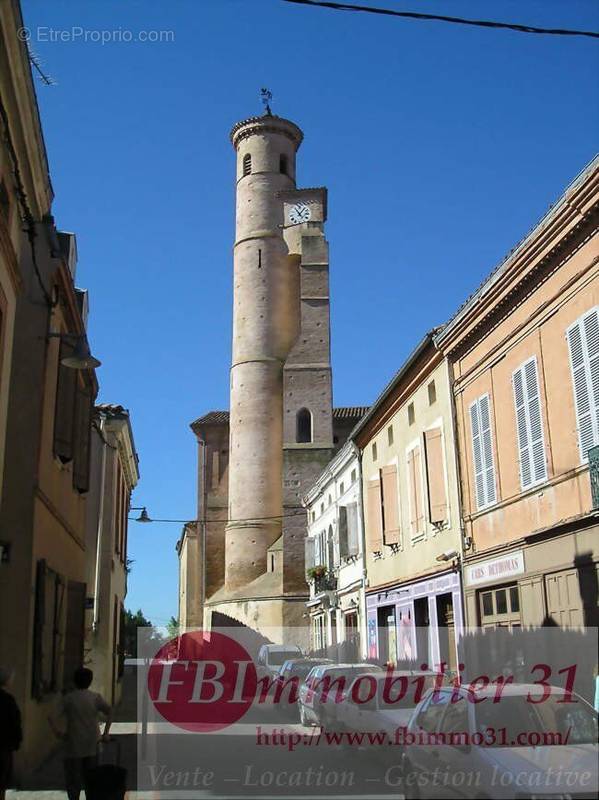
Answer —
520 746
324 689
384 705
273 656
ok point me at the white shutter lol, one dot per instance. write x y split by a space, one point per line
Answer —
482 451
583 341
529 424
309 545
353 543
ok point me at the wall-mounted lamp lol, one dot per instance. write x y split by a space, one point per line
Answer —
448 555
80 358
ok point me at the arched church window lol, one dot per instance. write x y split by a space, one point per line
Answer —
247 164
283 164
304 426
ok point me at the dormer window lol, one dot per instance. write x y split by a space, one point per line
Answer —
247 164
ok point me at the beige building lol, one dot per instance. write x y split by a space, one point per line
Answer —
45 414
524 353
114 475
412 515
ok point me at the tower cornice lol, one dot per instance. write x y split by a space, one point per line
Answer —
267 123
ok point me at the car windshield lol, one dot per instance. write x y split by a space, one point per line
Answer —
402 692
278 657
558 723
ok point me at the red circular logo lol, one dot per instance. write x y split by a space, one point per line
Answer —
202 681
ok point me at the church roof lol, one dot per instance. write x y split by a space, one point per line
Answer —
222 417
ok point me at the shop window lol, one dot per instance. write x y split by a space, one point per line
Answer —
500 607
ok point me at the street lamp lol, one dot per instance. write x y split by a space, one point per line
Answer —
144 516
80 358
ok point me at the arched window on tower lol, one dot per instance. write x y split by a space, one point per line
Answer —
303 426
283 164
247 164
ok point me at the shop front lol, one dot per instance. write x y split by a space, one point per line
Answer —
420 621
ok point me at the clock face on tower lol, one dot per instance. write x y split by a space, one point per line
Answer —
299 213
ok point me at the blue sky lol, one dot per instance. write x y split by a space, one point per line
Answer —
440 146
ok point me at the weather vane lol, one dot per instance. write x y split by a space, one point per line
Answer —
266 97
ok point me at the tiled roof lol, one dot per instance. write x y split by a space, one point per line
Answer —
222 417
350 412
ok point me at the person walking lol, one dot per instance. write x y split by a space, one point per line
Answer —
11 733
81 708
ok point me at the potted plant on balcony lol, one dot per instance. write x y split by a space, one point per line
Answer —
317 572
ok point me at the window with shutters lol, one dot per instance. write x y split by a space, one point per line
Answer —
353 533
310 551
247 164
529 424
482 452
82 425
64 409
343 533
435 476
390 503
414 466
374 520
583 343
48 629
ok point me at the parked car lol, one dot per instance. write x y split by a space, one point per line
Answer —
323 688
273 656
390 707
526 741
293 673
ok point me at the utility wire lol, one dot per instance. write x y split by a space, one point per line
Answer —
299 513
479 23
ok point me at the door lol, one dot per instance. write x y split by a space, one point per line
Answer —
421 621
446 628
387 634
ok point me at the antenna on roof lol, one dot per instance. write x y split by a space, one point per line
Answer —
266 97
36 63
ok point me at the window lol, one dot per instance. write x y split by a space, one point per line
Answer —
374 452
374 519
303 426
247 164
482 451
390 435
583 342
390 503
432 393
500 607
331 560
322 508
348 530
411 414
283 164
329 500
353 476
341 488
529 424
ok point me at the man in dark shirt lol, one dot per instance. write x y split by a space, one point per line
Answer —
11 733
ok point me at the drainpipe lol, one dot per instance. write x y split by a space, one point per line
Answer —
358 454
202 520
100 530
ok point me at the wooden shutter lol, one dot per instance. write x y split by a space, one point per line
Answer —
352 529
583 341
343 533
529 425
74 631
82 425
374 521
482 451
37 676
64 409
310 554
415 481
390 504
435 474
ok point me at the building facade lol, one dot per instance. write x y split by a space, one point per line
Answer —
256 462
47 390
114 475
412 515
524 354
334 560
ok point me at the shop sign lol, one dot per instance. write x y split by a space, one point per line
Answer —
496 569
